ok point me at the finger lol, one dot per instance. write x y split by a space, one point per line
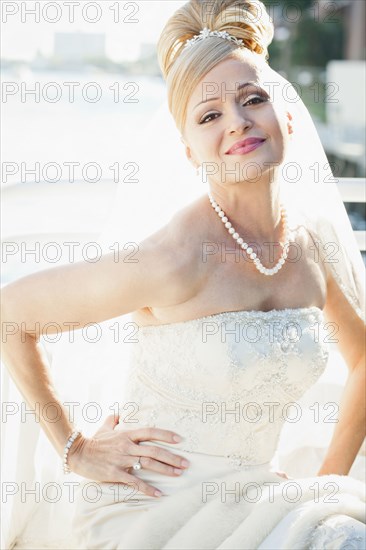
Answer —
139 485
282 474
153 434
148 463
159 454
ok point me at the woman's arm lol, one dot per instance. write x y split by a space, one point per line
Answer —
76 295
350 429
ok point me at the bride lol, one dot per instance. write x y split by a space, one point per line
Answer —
230 301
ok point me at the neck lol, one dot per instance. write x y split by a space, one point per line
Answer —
254 210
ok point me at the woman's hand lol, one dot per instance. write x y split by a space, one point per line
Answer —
109 455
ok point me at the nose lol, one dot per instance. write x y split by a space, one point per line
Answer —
239 122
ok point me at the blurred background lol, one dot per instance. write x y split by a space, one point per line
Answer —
79 84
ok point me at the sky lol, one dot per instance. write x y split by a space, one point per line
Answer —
126 24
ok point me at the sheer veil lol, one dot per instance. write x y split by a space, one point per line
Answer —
91 374
167 182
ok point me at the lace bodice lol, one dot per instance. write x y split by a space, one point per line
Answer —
225 382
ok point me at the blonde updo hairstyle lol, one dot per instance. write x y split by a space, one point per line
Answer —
183 69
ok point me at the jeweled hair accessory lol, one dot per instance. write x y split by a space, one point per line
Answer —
205 33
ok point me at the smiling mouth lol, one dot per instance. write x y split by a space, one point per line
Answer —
244 149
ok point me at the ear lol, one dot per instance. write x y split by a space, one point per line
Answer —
289 123
189 155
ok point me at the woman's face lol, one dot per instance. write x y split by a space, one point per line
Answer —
220 114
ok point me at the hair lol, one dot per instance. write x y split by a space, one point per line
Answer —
183 69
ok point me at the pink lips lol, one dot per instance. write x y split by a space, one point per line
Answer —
245 146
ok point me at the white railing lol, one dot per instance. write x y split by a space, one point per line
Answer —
88 219
354 190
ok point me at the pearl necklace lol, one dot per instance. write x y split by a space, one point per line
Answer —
253 256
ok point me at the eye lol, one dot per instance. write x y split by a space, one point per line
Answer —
257 98
207 117
260 98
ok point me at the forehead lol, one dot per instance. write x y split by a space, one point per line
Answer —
226 75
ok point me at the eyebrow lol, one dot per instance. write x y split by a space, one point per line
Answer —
239 88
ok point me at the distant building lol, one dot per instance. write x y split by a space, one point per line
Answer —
347 119
79 46
147 62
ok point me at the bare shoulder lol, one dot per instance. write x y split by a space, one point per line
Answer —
308 242
176 250
178 244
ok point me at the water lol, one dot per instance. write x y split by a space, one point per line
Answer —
96 135
35 129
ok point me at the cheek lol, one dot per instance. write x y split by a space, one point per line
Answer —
274 124
278 132
207 143
274 121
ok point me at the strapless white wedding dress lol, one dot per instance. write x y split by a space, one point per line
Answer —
226 383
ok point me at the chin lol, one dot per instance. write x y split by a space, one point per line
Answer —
249 169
